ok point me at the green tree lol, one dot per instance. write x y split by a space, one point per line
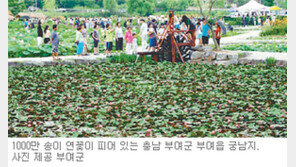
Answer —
68 3
33 3
240 2
282 3
49 5
16 6
141 7
177 5
110 5
220 4
205 9
268 2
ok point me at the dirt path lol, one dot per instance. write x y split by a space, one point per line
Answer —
241 38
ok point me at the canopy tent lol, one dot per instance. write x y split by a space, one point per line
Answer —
274 8
253 6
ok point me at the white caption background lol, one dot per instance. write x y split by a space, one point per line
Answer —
271 152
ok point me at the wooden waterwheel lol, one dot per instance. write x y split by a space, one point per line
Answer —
174 45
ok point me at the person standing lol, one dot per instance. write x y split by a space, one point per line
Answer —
85 37
55 42
251 20
46 34
160 32
155 25
26 24
205 33
244 21
143 34
95 36
32 26
199 33
152 38
79 41
102 24
259 20
135 44
90 23
119 37
109 37
149 22
129 40
218 33
40 34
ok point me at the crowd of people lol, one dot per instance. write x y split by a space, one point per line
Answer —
104 31
257 19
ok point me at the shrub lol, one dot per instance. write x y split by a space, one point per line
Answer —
270 61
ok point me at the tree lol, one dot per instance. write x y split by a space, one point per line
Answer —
68 3
240 2
49 5
110 5
141 7
15 6
268 2
203 4
176 5
220 4
29 3
282 3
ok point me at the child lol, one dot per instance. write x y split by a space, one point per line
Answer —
199 33
152 38
80 41
135 44
129 40
160 31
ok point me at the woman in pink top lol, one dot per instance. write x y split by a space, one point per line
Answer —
129 40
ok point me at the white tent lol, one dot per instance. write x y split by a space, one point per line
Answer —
253 6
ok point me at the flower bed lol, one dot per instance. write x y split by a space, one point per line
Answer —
152 100
279 27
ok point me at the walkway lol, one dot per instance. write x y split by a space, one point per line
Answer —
241 38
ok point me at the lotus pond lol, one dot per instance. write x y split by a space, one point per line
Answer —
147 100
260 47
23 43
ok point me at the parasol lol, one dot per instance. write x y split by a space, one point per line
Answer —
222 26
274 8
